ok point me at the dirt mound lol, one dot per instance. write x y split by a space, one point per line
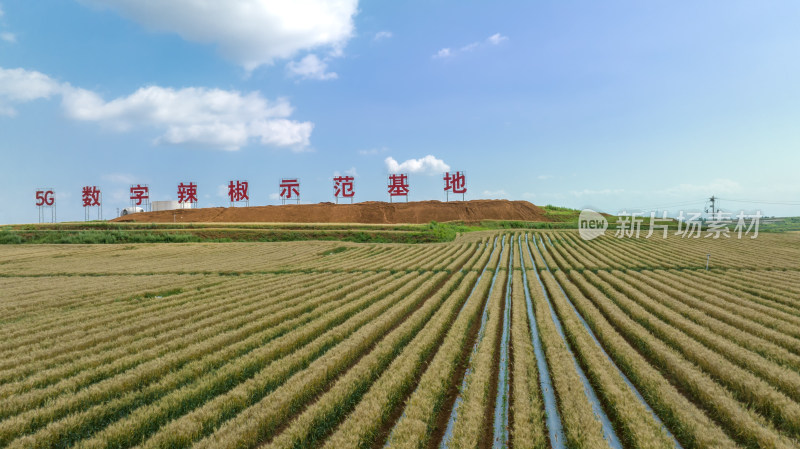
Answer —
366 212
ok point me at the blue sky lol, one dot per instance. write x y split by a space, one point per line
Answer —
615 105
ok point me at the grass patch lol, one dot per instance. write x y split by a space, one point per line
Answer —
336 250
785 224
134 233
162 294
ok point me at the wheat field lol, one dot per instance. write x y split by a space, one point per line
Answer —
519 339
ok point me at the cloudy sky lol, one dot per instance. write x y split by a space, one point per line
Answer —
616 105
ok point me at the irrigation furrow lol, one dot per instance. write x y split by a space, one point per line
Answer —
390 356
428 388
599 346
555 428
260 421
371 400
608 429
740 422
503 394
448 433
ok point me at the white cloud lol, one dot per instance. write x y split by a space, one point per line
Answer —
8 37
2 13
121 178
274 196
22 86
443 53
351 172
192 116
248 32
544 177
311 67
381 35
496 38
446 52
495 193
373 151
428 164
715 186
119 195
590 192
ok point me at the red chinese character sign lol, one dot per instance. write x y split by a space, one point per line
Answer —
46 201
187 194
239 191
343 186
92 197
456 183
290 190
398 186
140 196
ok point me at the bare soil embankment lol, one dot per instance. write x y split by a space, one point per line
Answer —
372 212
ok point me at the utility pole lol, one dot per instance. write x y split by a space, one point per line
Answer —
713 201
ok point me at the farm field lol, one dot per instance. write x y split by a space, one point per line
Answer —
524 339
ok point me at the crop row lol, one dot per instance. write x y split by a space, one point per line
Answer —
216 351
199 403
427 401
330 380
637 424
694 360
155 329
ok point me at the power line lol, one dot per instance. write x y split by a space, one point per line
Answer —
667 206
781 203
704 204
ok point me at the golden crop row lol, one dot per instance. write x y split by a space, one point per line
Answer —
634 422
687 421
119 323
471 428
169 340
387 370
150 380
260 421
160 326
188 404
744 383
362 425
26 301
742 423
784 293
527 409
414 427
85 317
725 284
790 329
675 251
733 322
173 258
399 354
581 427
